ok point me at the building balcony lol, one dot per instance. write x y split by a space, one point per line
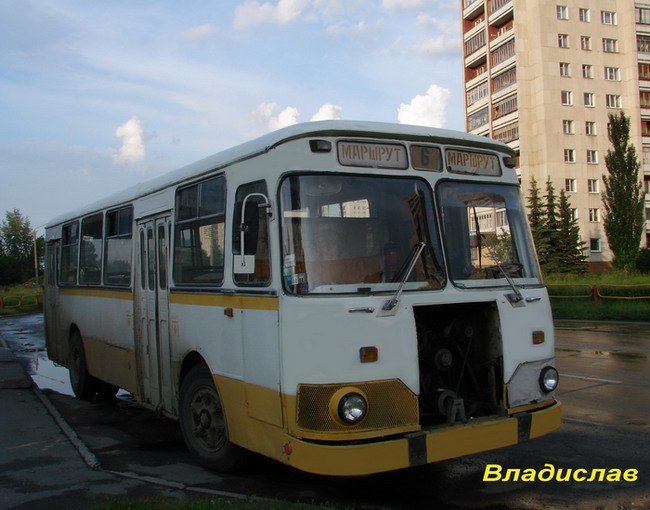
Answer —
475 59
473 8
500 12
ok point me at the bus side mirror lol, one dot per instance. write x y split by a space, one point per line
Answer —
244 262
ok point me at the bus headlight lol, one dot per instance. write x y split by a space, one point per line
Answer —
352 408
548 379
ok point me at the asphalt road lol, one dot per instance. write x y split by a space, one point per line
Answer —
604 387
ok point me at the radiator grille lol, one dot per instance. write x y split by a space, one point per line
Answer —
390 405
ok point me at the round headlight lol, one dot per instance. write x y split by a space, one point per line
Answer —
548 379
352 408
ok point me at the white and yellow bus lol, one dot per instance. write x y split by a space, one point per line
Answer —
343 297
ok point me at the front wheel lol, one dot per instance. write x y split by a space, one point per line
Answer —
203 423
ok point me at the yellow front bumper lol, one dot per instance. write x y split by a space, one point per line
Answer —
431 445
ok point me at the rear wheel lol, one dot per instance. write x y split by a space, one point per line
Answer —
204 425
84 385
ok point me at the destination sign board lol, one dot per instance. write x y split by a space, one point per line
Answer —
475 163
375 155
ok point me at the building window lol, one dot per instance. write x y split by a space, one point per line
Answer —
608 17
570 185
504 107
584 15
610 45
567 127
562 12
475 43
644 97
643 43
644 71
590 128
592 157
507 133
569 155
574 214
594 215
645 131
613 101
477 93
587 71
503 52
585 42
563 40
594 245
589 99
593 186
642 15
505 79
567 98
612 74
478 119
565 69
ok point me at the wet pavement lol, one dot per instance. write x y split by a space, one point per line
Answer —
604 387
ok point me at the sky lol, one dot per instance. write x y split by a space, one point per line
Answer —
96 96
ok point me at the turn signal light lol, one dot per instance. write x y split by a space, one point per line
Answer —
538 337
368 354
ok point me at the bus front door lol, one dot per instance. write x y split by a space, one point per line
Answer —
51 298
153 352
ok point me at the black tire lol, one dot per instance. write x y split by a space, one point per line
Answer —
107 391
83 384
203 423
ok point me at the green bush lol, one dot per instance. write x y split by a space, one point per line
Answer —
643 261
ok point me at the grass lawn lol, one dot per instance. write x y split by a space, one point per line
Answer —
20 298
620 296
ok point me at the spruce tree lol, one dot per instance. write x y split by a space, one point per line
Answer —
552 260
572 257
623 198
537 218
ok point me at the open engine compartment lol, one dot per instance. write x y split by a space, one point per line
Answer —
460 362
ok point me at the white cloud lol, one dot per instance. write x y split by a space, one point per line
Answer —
273 118
426 110
132 150
328 112
407 4
198 32
267 113
254 13
444 39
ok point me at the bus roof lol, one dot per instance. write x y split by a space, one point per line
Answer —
267 142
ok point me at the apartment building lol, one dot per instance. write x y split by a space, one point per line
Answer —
543 76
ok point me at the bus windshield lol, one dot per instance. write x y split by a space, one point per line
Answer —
486 235
352 233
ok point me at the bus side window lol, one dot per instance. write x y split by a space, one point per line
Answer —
200 233
262 274
69 253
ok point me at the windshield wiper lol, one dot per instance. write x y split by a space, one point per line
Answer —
517 297
389 306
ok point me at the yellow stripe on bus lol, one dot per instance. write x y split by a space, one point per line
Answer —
222 300
103 293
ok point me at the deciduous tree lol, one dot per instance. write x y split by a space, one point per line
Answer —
623 198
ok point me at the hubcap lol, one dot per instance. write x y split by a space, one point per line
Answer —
207 419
